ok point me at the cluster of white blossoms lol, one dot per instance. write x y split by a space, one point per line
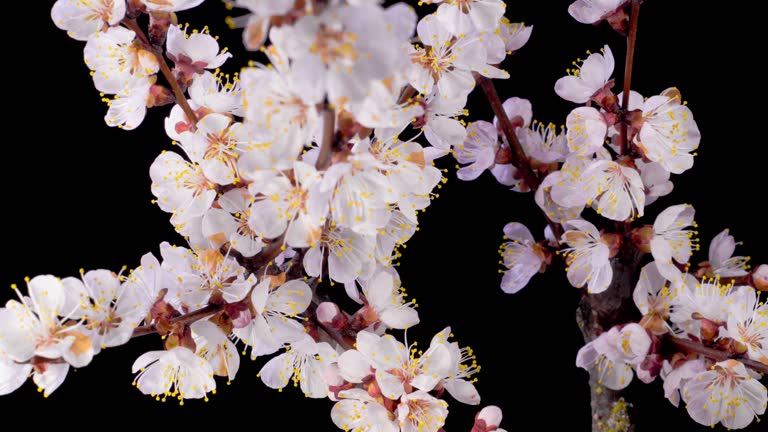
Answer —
307 168
287 174
702 324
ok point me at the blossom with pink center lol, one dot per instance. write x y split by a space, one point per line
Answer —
194 52
725 394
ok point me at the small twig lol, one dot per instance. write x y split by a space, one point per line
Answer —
164 68
326 147
519 160
695 347
184 319
631 39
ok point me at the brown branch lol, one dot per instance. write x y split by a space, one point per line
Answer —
183 319
326 146
631 39
695 347
519 159
164 68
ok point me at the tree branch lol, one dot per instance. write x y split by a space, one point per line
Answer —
519 159
326 147
184 319
695 347
631 39
164 68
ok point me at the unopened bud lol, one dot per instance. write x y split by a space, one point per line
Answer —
650 368
759 277
159 96
619 20
613 241
364 318
488 419
641 237
239 313
373 389
347 124
330 315
731 345
710 330
158 26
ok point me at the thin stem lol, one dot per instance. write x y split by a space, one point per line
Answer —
184 319
180 98
519 160
695 347
326 147
631 39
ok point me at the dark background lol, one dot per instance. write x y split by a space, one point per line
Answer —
77 195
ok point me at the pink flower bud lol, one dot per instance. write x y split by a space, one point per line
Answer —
641 237
488 419
330 315
650 368
760 277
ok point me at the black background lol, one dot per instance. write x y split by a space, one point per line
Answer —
77 195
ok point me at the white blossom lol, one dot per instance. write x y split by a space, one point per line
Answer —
725 394
586 257
83 18
669 134
521 255
588 78
176 373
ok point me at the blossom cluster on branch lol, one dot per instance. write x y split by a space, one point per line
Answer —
313 165
288 173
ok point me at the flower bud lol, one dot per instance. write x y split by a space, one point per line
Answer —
650 368
613 241
641 237
364 318
760 277
330 315
159 96
159 22
488 419
709 329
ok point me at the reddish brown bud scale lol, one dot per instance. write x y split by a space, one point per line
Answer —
641 237
160 96
158 26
